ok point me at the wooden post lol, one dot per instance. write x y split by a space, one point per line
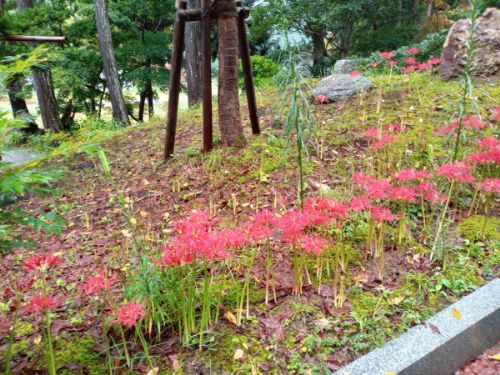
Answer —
247 69
175 82
206 73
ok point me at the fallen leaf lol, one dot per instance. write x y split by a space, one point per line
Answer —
153 371
495 357
434 328
231 317
37 340
457 314
238 354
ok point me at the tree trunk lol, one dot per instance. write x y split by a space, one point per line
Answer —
193 57
229 107
430 4
2 5
18 104
109 62
47 101
150 98
318 42
44 88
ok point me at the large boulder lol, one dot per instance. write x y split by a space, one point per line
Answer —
486 58
341 86
345 66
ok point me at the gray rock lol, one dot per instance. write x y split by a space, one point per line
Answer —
486 59
345 66
443 344
341 86
19 156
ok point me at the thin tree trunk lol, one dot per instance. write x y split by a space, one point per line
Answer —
142 102
44 88
18 104
150 98
47 100
430 4
318 51
193 57
2 6
109 62
229 107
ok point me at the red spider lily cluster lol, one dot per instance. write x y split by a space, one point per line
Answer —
42 261
468 123
40 304
130 314
412 64
96 284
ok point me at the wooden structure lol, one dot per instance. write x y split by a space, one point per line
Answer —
32 39
204 16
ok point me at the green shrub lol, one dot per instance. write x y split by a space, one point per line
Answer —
264 71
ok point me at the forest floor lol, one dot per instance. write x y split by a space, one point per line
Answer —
304 334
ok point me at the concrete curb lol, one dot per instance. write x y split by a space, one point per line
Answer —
444 344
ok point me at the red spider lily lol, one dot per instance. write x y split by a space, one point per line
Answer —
40 304
474 122
424 66
409 69
435 61
129 315
355 74
175 256
413 51
362 179
411 61
373 133
404 193
312 244
261 226
95 284
491 185
489 143
321 99
379 189
382 214
231 238
374 64
393 62
42 261
292 224
446 130
386 55
406 175
385 140
459 171
395 128
360 204
428 190
485 157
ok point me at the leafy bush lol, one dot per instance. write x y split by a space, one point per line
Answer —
264 71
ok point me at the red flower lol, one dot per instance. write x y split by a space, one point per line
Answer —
321 99
474 122
176 256
393 62
395 128
374 64
312 244
42 261
292 224
435 61
379 189
382 214
355 74
411 60
485 157
460 172
428 191
491 185
261 225
446 130
406 175
360 204
424 66
40 304
373 133
404 193
129 315
409 69
95 284
384 140
413 51
232 238
489 143
361 179
386 55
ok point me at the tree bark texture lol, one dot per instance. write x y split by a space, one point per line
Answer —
2 6
47 101
229 108
44 88
193 57
109 62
